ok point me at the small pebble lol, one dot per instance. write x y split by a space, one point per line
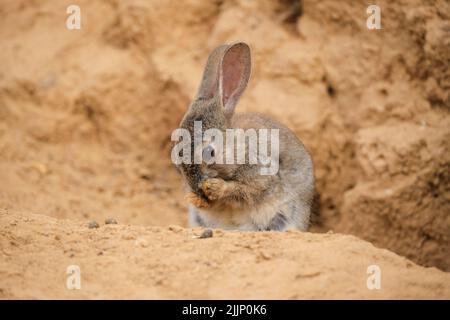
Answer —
128 236
110 221
207 233
93 225
175 228
141 242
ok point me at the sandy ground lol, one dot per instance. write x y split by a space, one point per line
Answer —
120 261
85 123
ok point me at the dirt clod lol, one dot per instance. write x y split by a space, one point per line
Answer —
207 233
110 221
93 225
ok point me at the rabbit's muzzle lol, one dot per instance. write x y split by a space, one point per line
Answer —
194 178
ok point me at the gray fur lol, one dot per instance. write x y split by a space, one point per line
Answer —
237 196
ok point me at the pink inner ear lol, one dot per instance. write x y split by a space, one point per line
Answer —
233 66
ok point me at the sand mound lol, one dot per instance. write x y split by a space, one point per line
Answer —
86 117
119 261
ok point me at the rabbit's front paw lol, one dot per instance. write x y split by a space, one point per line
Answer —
196 200
214 188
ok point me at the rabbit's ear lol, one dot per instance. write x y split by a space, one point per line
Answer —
210 80
234 74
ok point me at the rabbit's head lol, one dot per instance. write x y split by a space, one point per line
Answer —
225 78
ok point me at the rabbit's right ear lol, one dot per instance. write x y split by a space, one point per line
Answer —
210 80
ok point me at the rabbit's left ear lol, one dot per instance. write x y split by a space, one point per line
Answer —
209 85
234 74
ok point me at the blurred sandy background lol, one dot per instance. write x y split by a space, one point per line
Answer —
86 117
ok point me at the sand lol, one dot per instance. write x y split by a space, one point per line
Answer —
123 261
85 123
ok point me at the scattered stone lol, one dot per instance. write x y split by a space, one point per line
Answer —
93 225
264 255
128 236
207 233
141 242
175 228
308 275
110 221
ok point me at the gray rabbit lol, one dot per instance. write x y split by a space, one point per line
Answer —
237 196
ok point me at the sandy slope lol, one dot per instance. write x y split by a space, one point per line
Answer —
120 261
85 123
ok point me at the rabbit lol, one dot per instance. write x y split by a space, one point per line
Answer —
237 196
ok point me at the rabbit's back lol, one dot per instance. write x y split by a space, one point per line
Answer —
296 169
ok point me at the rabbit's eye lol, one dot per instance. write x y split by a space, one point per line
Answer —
208 154
209 151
